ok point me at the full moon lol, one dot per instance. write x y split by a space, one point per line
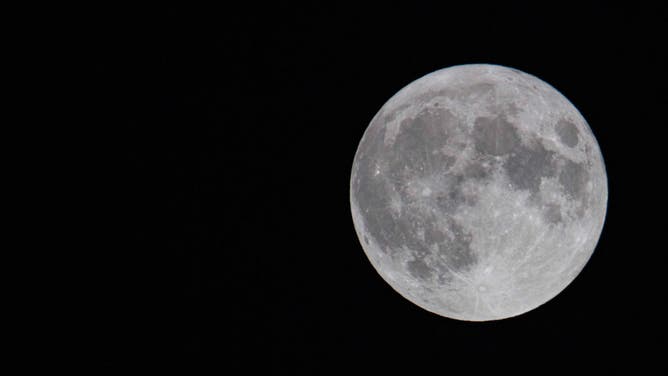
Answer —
478 192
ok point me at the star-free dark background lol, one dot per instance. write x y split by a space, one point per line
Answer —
235 130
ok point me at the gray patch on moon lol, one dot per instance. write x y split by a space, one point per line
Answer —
433 234
454 250
405 228
568 133
573 178
552 213
478 171
494 136
415 157
526 166
419 269
448 201
416 148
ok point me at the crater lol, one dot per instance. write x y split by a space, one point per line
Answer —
494 136
567 132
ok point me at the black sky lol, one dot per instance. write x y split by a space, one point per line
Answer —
234 132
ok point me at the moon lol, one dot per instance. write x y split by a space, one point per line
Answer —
478 192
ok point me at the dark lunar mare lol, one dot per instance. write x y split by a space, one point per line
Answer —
414 155
568 133
527 164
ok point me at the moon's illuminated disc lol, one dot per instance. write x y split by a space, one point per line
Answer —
478 192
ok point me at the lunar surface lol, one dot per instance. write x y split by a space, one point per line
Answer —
478 192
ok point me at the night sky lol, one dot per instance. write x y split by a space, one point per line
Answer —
234 131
